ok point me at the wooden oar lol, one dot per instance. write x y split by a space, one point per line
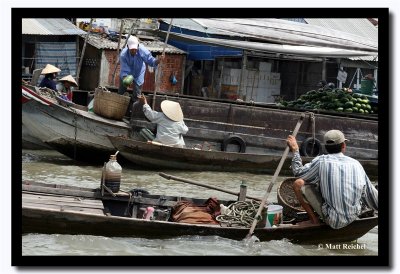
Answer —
264 200
171 177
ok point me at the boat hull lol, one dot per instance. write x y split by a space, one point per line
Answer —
78 134
36 220
166 157
63 209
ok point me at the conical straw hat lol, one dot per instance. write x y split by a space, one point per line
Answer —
50 69
172 110
70 79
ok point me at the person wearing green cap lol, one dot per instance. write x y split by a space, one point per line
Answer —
334 185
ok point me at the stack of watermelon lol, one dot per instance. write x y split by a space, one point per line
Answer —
339 100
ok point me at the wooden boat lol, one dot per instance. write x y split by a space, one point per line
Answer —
157 156
73 210
264 128
72 130
220 126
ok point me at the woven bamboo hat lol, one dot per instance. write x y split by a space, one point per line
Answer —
50 69
70 79
172 110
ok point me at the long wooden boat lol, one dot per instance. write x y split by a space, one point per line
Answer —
75 132
220 126
264 128
160 156
73 210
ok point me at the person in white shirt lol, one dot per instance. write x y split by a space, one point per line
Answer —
170 124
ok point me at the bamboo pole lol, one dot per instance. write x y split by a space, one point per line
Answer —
159 72
83 52
119 44
271 184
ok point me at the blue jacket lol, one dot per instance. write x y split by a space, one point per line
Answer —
48 83
135 65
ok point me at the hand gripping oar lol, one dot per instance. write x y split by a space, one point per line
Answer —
264 200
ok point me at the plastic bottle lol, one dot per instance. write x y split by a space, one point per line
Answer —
113 174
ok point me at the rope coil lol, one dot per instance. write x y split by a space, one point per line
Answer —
239 214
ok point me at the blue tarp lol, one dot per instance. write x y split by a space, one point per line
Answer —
199 51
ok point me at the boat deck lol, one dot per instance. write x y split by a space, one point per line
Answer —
63 203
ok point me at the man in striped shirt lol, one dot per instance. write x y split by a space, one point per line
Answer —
334 185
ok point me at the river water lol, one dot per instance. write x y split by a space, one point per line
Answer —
49 166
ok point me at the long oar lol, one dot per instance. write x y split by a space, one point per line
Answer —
169 177
159 68
264 200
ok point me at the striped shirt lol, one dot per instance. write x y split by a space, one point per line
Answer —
168 132
343 184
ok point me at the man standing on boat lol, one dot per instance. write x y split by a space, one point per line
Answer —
334 185
170 124
133 60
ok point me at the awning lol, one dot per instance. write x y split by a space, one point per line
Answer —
315 51
291 33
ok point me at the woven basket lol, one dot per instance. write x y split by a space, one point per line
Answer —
287 198
110 104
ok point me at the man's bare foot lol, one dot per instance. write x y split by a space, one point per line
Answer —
308 223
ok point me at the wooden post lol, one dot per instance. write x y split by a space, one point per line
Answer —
220 79
183 73
244 66
159 68
103 178
243 191
212 78
323 76
83 52
118 47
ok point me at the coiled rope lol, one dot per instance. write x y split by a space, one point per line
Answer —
239 214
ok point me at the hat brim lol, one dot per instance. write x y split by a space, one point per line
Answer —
50 69
69 79
172 110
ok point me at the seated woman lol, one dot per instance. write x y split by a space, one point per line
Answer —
50 73
170 124
65 89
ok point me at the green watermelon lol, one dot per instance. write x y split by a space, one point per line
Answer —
127 80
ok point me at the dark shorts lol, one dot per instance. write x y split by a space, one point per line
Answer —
137 90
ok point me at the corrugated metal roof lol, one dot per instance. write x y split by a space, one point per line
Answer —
153 46
329 33
196 25
357 26
49 26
